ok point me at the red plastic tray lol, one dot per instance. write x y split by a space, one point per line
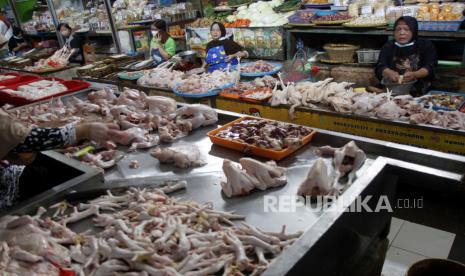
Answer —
9 81
72 85
23 79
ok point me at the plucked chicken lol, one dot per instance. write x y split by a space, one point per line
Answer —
252 175
182 156
318 182
346 160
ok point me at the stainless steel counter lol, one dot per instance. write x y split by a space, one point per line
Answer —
334 240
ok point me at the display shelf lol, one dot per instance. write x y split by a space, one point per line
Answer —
293 32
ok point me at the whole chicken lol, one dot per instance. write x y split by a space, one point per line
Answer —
197 115
278 97
347 159
318 181
238 181
390 111
160 105
268 174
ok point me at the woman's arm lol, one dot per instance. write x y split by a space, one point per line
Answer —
240 54
420 74
391 74
164 53
40 139
384 60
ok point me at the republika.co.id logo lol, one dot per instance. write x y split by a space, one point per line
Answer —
369 203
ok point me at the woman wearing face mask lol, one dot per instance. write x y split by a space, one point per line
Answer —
73 43
408 58
222 50
17 44
162 46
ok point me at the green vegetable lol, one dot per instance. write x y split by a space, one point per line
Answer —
286 6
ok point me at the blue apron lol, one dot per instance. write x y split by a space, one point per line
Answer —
216 59
156 56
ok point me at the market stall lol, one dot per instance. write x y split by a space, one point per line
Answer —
202 183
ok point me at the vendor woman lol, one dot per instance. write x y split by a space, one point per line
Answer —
19 182
222 49
17 43
72 42
162 45
407 58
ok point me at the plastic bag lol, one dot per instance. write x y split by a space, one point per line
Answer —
297 69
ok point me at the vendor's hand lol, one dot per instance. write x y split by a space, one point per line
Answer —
392 75
409 76
97 132
230 57
158 38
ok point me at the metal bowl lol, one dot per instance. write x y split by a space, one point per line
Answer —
396 88
190 55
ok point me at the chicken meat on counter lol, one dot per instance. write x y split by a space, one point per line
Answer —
252 175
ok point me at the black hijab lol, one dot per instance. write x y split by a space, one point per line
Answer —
412 23
221 26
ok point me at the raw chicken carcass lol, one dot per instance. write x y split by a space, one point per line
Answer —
238 182
268 174
365 103
131 135
318 181
278 97
106 94
160 105
390 111
347 159
342 104
183 156
197 115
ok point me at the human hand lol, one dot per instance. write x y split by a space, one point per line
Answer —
409 76
392 75
230 57
158 38
97 132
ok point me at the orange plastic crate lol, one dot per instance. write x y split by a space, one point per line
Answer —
254 150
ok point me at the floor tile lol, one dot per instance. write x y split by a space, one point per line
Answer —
424 240
395 227
398 261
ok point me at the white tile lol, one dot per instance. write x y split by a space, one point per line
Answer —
398 261
395 227
424 240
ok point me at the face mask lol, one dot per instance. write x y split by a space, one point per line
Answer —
404 45
154 33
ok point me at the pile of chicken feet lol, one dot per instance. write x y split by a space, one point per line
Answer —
141 232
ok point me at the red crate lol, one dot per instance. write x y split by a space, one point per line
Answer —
9 81
23 79
72 85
